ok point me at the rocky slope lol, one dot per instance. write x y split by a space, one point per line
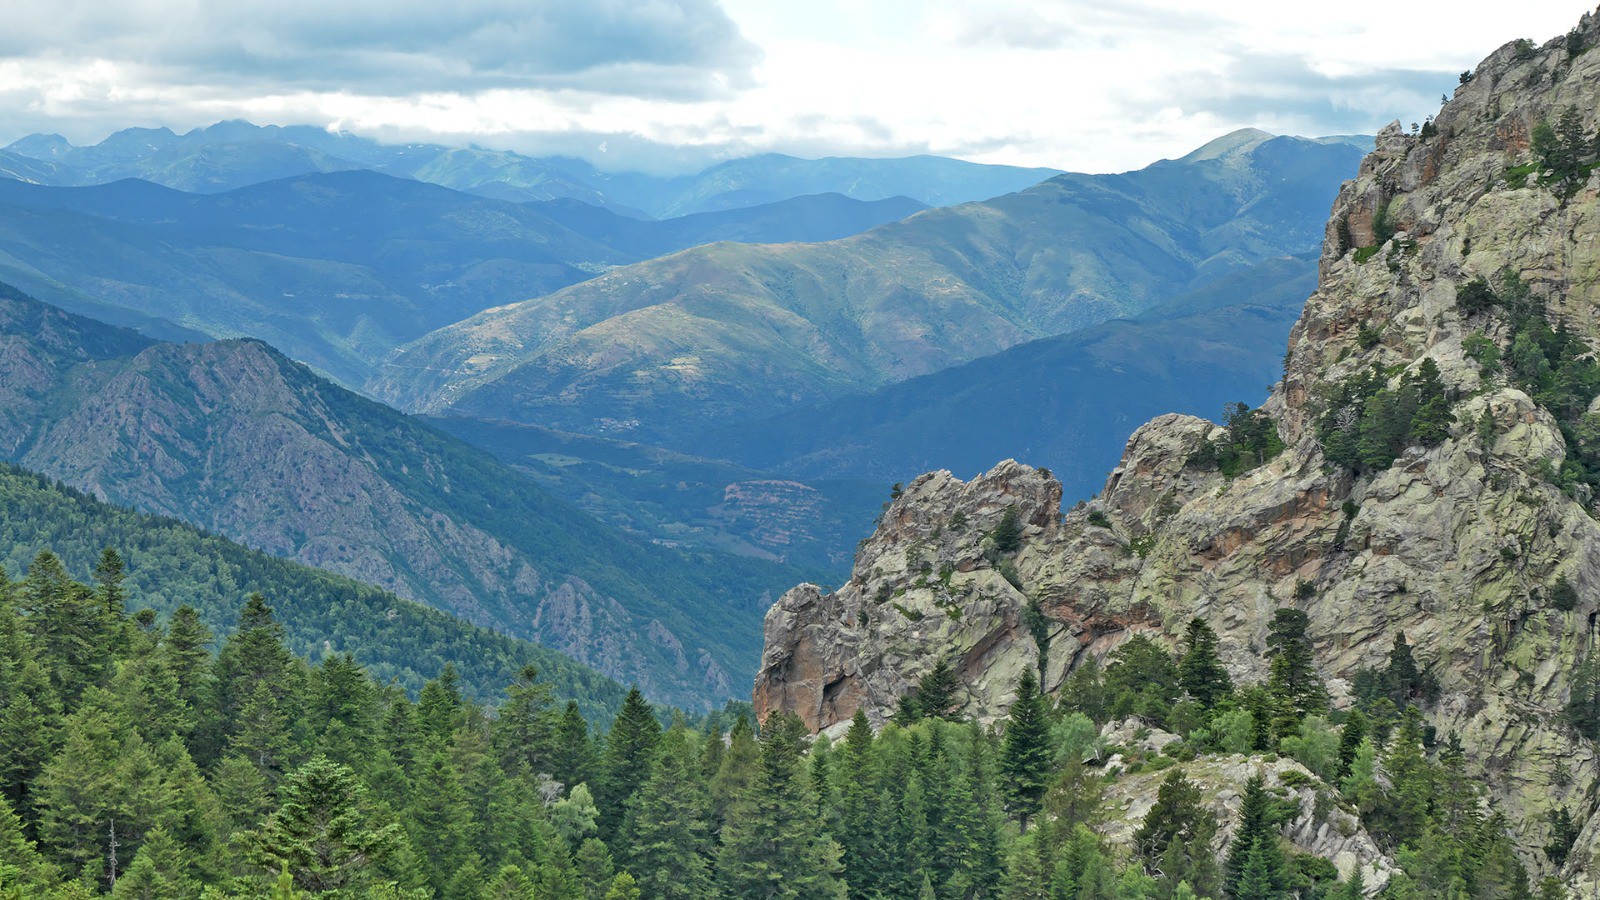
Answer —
1457 545
724 334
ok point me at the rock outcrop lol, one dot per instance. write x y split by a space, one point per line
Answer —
1456 545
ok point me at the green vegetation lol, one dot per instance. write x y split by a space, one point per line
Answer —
1553 364
1565 153
1251 440
139 764
169 564
1365 424
1421 808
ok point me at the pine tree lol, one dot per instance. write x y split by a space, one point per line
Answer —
1201 671
158 871
1350 738
772 846
630 749
322 833
1264 876
623 887
102 791
1402 678
667 838
253 657
439 706
1026 757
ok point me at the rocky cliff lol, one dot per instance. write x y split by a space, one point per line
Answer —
1459 543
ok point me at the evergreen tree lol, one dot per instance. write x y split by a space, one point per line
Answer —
1201 671
1026 755
572 758
1293 683
772 846
101 792
1257 823
1175 838
1264 876
1350 738
667 836
525 729
439 820
623 887
630 749
322 833
158 872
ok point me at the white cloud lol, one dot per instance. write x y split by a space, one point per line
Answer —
678 83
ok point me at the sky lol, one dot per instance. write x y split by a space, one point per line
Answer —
673 85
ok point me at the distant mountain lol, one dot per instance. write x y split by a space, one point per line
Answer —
171 563
239 440
770 177
719 335
339 269
681 500
234 154
1066 403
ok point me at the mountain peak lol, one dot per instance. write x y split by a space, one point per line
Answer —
1231 143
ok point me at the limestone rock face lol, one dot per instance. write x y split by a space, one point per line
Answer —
1455 545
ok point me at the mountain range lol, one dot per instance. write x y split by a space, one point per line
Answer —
724 334
237 439
234 154
338 269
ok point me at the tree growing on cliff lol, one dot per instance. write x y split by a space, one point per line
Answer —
1201 671
1026 755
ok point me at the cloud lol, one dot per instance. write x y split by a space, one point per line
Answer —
1283 89
660 48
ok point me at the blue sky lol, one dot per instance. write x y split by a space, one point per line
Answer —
668 85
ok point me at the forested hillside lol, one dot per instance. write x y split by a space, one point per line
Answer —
167 564
138 765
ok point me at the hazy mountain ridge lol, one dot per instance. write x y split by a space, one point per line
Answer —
338 269
729 333
234 154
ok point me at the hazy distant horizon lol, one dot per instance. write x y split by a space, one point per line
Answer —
675 85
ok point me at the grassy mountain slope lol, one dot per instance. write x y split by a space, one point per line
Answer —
238 439
338 269
1065 402
172 563
729 333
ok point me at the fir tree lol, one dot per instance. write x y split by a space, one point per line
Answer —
322 833
1175 837
1026 755
1201 671
1257 822
1293 683
772 846
667 837
630 749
